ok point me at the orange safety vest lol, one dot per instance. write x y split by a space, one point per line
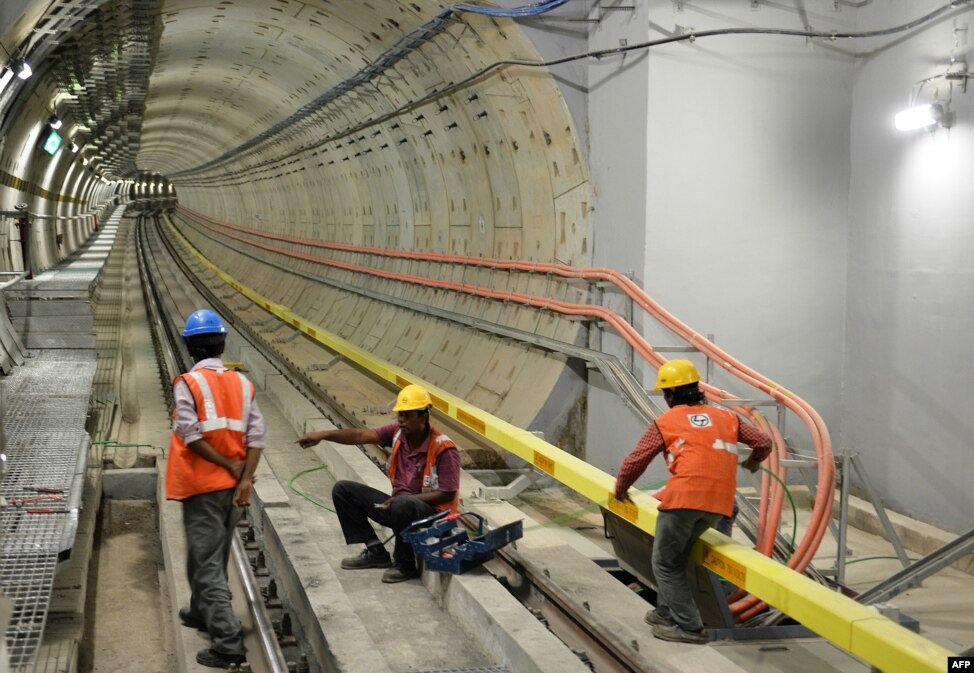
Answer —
438 443
701 454
223 400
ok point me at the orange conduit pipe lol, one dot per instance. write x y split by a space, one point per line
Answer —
819 433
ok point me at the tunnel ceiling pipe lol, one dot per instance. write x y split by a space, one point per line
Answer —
402 48
596 54
822 509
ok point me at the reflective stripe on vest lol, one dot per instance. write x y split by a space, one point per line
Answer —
214 422
213 392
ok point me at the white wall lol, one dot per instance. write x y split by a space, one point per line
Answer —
743 211
748 183
617 117
783 213
910 319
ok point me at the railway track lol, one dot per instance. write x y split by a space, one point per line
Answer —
174 287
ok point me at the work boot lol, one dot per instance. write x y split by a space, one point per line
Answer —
400 573
653 617
675 634
214 659
368 559
191 620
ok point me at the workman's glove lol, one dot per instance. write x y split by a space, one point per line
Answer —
751 465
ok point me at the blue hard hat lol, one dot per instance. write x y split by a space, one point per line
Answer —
202 322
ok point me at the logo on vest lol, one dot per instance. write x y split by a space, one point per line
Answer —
700 420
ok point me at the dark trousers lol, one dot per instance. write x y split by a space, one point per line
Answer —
209 520
355 504
676 531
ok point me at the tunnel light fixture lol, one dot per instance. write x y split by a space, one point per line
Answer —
52 143
920 116
22 68
54 122
74 147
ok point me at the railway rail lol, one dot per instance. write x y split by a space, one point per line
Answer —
172 361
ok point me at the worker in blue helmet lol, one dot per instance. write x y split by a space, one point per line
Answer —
217 437
204 322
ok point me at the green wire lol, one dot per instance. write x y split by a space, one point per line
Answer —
794 510
304 495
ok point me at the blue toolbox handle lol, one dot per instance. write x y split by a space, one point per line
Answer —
446 547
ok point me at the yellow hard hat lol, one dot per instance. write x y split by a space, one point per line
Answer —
412 397
676 373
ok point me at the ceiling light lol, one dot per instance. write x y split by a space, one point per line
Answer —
54 122
919 117
22 68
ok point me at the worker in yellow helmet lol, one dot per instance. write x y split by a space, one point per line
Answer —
700 445
424 469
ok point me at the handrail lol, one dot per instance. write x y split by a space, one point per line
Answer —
17 277
857 629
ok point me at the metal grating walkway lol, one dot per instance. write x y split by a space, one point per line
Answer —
45 406
46 403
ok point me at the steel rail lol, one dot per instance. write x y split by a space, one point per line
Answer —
271 652
574 622
274 657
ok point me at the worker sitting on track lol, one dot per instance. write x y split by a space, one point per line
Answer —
700 443
424 469
217 436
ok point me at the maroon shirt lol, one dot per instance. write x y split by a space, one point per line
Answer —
412 462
